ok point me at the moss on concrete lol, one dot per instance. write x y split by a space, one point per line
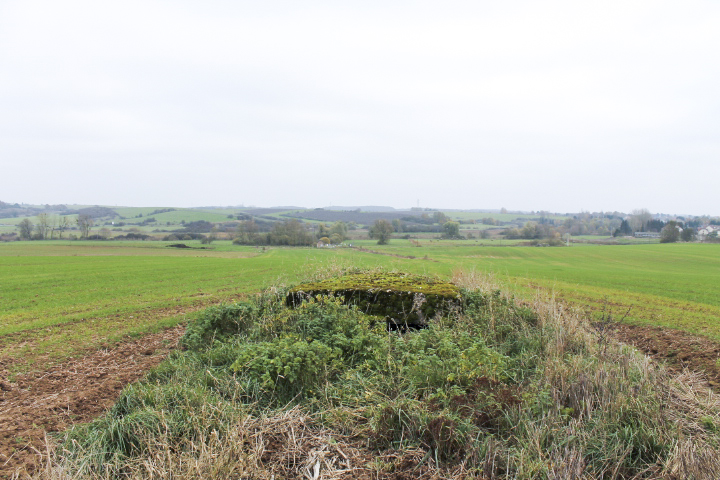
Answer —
400 298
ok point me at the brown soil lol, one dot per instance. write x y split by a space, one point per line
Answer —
374 252
680 349
75 391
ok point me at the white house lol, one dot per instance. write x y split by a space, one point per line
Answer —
707 230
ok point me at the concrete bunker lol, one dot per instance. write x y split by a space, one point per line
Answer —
406 301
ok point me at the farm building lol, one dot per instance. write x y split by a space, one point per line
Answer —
647 235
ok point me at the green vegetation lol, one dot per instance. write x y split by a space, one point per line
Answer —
381 230
285 232
498 391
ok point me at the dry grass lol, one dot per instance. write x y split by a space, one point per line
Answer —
682 400
288 445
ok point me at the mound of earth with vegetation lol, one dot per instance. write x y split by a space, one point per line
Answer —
403 299
494 389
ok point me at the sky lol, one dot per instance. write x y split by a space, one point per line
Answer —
556 105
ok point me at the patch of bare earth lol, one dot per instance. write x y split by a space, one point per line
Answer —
411 257
680 349
75 391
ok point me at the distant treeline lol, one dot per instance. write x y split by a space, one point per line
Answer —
606 225
286 232
356 216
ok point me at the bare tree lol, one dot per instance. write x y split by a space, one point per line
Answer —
84 223
52 226
639 219
42 225
63 225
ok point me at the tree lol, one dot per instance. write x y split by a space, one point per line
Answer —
63 225
43 225
84 223
210 238
529 231
654 225
639 219
247 232
323 230
688 234
512 233
623 229
290 232
451 229
382 230
52 226
670 232
440 218
339 231
26 228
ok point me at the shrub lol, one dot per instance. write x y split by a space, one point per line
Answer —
288 366
217 323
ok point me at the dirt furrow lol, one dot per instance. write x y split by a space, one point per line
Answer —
75 391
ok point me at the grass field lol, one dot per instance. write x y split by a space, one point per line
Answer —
672 285
58 298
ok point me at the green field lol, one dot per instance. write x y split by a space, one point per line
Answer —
672 285
58 298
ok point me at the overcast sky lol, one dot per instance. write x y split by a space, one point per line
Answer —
559 106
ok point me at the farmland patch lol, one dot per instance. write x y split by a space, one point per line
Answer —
78 390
